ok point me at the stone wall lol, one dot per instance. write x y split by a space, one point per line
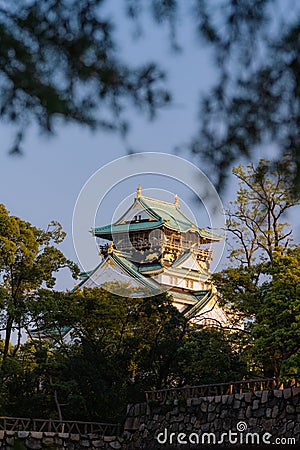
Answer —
260 417
23 440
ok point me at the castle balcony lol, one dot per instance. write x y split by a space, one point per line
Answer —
159 245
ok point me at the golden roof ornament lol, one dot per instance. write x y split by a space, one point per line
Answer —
176 200
139 191
110 249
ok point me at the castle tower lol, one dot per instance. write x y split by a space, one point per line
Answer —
154 244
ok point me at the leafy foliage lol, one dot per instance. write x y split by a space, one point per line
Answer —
120 347
29 259
266 296
59 59
255 101
261 293
255 219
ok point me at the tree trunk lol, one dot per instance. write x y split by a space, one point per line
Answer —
8 332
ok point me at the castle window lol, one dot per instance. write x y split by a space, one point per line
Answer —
191 284
187 283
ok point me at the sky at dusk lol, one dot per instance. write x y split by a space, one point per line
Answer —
43 184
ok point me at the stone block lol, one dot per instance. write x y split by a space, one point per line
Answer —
224 399
187 418
211 407
34 444
74 437
268 413
287 393
255 405
203 407
227 425
268 425
236 404
248 397
297 428
275 411
258 394
264 397
223 413
277 393
252 422
36 434
211 417
181 426
239 396
218 399
205 427
115 444
241 414
230 399
1 435
295 391
290 409
142 427
260 412
110 438
9 433
248 412
23 434
48 440
64 435
145 434
50 434
98 443
85 443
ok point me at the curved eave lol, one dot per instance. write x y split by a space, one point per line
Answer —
201 303
106 232
207 237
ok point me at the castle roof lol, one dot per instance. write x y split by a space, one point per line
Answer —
156 213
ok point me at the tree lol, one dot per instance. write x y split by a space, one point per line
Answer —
58 59
28 260
255 219
255 101
207 356
256 290
120 347
267 296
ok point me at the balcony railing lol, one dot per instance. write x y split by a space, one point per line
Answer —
55 426
235 387
159 244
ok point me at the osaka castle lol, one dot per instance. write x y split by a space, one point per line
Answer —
154 247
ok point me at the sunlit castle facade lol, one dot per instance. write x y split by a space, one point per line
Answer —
155 247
